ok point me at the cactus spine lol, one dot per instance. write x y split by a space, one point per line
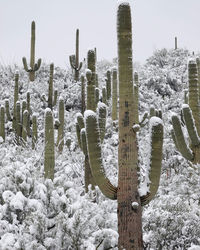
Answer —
33 66
74 61
2 122
60 138
49 152
191 118
114 94
129 216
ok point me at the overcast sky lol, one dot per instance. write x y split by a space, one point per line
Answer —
155 24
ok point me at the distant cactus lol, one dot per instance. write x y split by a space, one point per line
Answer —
191 116
74 61
114 94
2 122
176 44
61 114
33 66
34 131
108 84
49 152
129 200
16 91
52 100
25 125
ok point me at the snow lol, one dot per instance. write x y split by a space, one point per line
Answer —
40 214
154 121
184 106
88 113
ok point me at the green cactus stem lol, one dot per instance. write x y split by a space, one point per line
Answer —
33 66
102 113
191 118
104 95
108 84
25 125
127 193
49 152
7 109
74 62
91 104
52 100
29 112
61 115
96 95
114 94
2 122
82 94
34 131
18 125
16 91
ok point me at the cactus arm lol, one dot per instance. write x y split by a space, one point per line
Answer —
144 117
7 109
37 65
193 93
102 113
71 60
114 94
156 141
25 64
189 121
174 139
182 146
96 96
94 152
152 111
91 104
49 153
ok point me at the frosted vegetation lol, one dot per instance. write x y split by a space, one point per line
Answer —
42 214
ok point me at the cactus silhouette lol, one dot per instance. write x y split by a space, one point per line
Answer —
129 200
33 66
49 151
191 116
74 59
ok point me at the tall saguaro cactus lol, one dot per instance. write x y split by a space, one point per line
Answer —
127 194
49 151
33 66
74 62
191 115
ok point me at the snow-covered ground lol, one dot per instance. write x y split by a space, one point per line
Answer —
40 214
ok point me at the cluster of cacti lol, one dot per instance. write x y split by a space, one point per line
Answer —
33 66
74 59
129 200
191 117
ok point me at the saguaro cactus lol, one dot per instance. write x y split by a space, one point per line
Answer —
49 151
34 131
33 66
176 46
114 94
108 84
91 103
52 100
61 114
82 94
2 122
75 63
191 115
129 200
16 91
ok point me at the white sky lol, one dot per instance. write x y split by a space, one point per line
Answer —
155 24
